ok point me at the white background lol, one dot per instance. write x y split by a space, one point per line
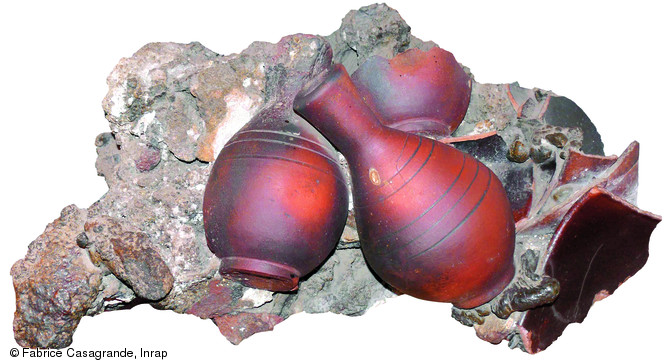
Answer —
609 58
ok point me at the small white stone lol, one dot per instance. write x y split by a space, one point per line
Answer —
257 296
117 99
240 109
143 123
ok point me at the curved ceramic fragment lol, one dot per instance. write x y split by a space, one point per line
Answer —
528 103
580 166
602 241
572 181
416 91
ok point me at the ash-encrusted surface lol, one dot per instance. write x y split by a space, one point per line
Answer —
171 108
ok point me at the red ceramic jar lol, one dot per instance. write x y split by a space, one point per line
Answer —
434 222
424 92
276 201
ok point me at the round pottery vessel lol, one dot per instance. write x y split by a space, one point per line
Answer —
423 92
276 201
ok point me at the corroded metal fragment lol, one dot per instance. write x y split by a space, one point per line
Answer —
568 184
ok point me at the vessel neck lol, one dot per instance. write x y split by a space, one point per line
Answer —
332 104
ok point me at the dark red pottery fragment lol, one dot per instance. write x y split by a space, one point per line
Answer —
276 201
602 241
416 91
579 166
433 221
620 178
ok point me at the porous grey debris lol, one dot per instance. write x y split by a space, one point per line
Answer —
372 30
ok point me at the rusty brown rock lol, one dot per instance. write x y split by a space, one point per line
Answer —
518 152
56 284
130 256
557 139
237 327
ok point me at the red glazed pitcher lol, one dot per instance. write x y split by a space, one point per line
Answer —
276 201
434 222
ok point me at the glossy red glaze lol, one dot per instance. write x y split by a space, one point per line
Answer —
276 201
434 222
424 92
601 242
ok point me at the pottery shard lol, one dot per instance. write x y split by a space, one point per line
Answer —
570 182
55 284
602 241
130 256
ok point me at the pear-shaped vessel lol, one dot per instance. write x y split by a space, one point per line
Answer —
433 222
276 201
